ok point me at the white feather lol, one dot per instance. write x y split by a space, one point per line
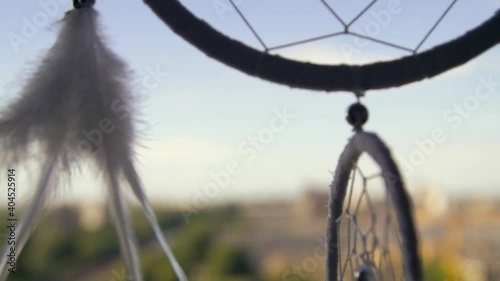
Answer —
121 220
135 183
32 215
79 101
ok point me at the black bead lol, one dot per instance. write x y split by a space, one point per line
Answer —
364 273
357 115
78 4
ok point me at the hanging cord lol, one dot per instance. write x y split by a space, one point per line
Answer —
359 94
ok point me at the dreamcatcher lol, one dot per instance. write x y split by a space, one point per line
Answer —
89 91
353 253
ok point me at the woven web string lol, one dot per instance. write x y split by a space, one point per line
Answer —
368 233
346 31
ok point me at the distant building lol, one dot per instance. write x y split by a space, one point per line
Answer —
66 217
435 202
92 216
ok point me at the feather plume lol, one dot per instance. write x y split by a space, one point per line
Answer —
78 105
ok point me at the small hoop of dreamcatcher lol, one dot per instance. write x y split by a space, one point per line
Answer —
368 254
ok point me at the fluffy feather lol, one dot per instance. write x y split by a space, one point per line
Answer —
32 215
78 105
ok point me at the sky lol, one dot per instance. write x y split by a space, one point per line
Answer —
210 133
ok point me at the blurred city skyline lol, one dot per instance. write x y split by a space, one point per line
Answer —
274 240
